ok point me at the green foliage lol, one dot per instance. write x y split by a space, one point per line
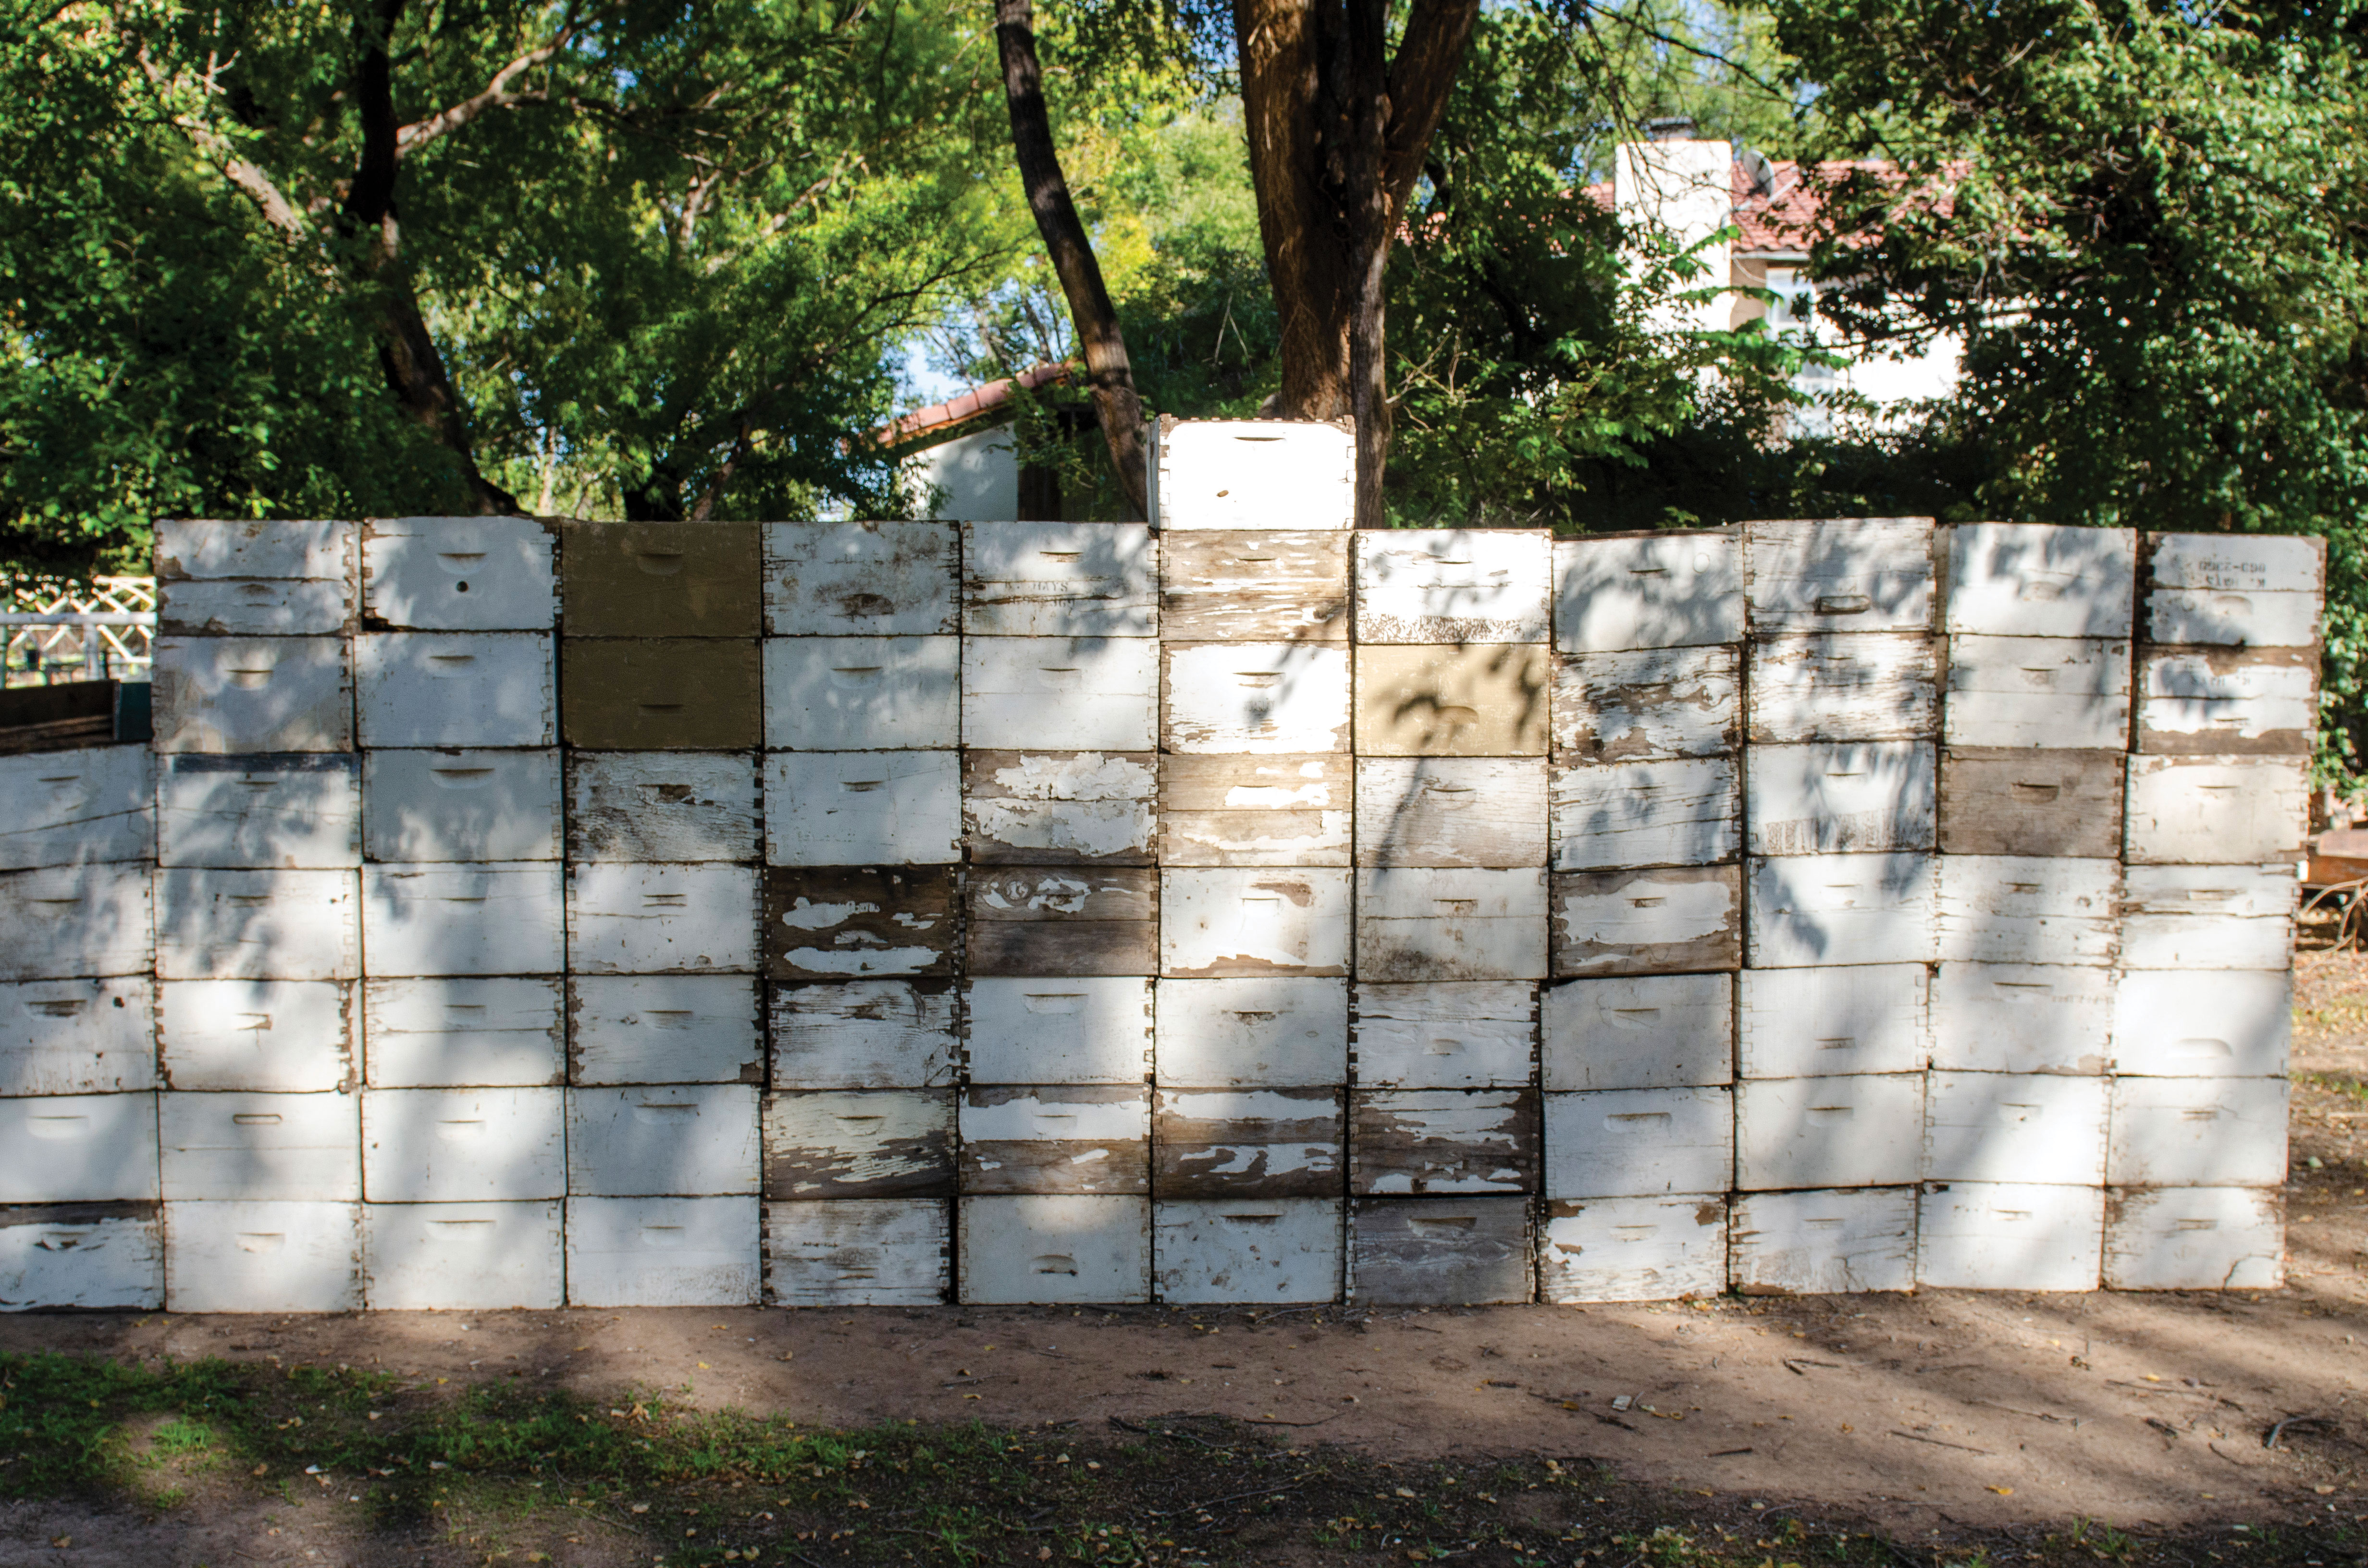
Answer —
2149 225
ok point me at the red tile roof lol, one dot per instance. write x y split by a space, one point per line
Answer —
977 403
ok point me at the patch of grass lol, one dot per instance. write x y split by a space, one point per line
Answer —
2336 1084
518 1475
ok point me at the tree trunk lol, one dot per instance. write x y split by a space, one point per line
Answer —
1072 252
1337 134
407 352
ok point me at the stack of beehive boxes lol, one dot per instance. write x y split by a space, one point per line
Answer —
2227 701
863 722
1452 631
1647 915
661 684
1256 787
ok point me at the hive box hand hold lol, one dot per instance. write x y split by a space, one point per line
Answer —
661 580
277 578
458 574
860 923
663 694
873 579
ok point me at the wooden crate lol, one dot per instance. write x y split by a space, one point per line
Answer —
660 580
1417 924
663 1251
662 694
2247 590
1659 590
69 922
1868 797
862 693
1271 1030
1026 579
663 1028
460 573
1661 922
1817 909
1075 920
2228 703
2029 909
461 805
1840 574
1235 698
1651 1031
1060 693
1473 699
71 807
1633 1249
1659 702
861 579
290 1036
2214 1024
1254 473
275 578
1253 586
239 695
1453 584
1447 1034
1835 1241
458 1145
1267 1143
2020 1017
860 923
863 808
1253 810
425 1033
1863 1129
837 1144
661 1140
1441 1142
2215 811
1440 1252
661 806
1227 1250
454 689
1077 1138
2032 803
2009 1236
1638 1142
83 1256
290 810
2194 1238
248 925
1854 686
1093 1030
698 919
2218 917
85 1036
79 1149
876 1252
1831 1020
293 1256
258 1147
1058 808
1685 812
2040 580
1225 922
2061 693
1451 811
864 1034
471 1256
2037 1127
1054 1249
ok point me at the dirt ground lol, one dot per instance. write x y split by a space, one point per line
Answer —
1941 1412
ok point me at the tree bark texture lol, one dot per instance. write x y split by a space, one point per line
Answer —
1108 371
407 352
1337 130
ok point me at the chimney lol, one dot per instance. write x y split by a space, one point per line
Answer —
1676 128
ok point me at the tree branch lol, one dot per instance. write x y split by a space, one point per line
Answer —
409 139
242 173
1430 54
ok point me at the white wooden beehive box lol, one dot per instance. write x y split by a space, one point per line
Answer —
460 573
455 689
288 812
